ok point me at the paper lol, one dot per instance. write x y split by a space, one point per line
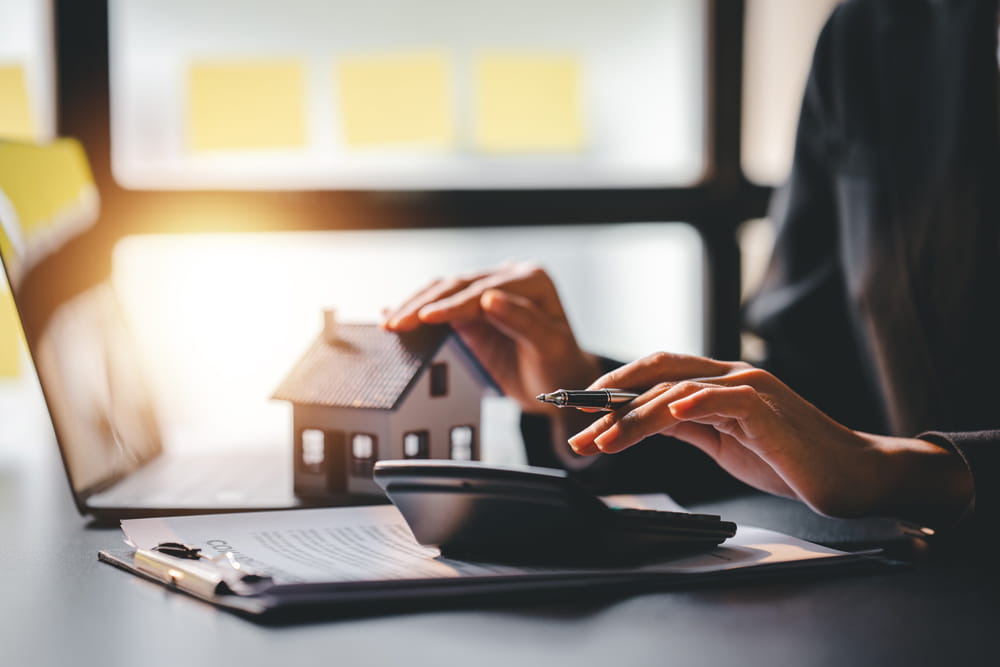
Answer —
245 105
395 100
375 544
15 104
528 103
10 334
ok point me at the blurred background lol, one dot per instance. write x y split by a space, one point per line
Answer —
245 165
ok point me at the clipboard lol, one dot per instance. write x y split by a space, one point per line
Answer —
406 576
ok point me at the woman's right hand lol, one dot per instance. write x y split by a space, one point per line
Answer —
512 320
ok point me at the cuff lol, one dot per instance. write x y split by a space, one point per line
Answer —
980 450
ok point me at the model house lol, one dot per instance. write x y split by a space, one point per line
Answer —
360 394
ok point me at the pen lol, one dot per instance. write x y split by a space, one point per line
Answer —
600 399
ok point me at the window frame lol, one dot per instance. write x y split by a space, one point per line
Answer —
473 453
424 448
438 379
362 466
716 205
311 467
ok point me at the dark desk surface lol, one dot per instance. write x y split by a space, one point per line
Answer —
60 606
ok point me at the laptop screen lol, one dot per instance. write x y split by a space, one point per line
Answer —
85 360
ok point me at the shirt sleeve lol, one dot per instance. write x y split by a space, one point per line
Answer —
981 452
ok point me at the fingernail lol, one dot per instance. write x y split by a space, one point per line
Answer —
608 437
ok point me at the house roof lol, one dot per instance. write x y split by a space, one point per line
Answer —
364 366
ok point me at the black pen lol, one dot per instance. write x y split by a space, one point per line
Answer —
598 399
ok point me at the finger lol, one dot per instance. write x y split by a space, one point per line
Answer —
522 320
663 366
644 416
584 442
525 280
404 317
720 403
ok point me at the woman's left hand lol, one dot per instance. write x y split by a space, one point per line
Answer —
766 435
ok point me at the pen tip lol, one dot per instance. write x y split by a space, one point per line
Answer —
540 397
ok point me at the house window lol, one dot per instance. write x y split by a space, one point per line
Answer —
363 449
462 445
313 450
416 445
439 379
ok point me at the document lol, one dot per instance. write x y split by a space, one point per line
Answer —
338 557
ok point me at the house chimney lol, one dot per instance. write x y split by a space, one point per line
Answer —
330 325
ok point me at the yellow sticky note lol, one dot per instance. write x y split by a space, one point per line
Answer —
10 335
528 103
398 99
15 105
47 183
239 105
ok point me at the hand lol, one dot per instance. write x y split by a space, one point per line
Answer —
768 436
512 320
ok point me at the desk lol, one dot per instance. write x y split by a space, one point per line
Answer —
60 606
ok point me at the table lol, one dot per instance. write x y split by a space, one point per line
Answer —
60 606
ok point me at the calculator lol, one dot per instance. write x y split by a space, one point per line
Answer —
531 515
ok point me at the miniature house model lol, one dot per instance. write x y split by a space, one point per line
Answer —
360 394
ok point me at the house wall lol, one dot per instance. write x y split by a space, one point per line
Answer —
348 420
420 411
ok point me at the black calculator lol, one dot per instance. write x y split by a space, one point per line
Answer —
529 515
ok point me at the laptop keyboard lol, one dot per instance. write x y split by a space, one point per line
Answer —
233 478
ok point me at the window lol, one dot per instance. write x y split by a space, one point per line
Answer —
462 439
778 45
363 451
416 445
27 90
439 379
313 454
608 97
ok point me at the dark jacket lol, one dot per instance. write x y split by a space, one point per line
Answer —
880 303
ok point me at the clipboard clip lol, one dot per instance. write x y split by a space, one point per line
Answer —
187 568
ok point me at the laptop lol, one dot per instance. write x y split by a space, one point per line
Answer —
101 408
